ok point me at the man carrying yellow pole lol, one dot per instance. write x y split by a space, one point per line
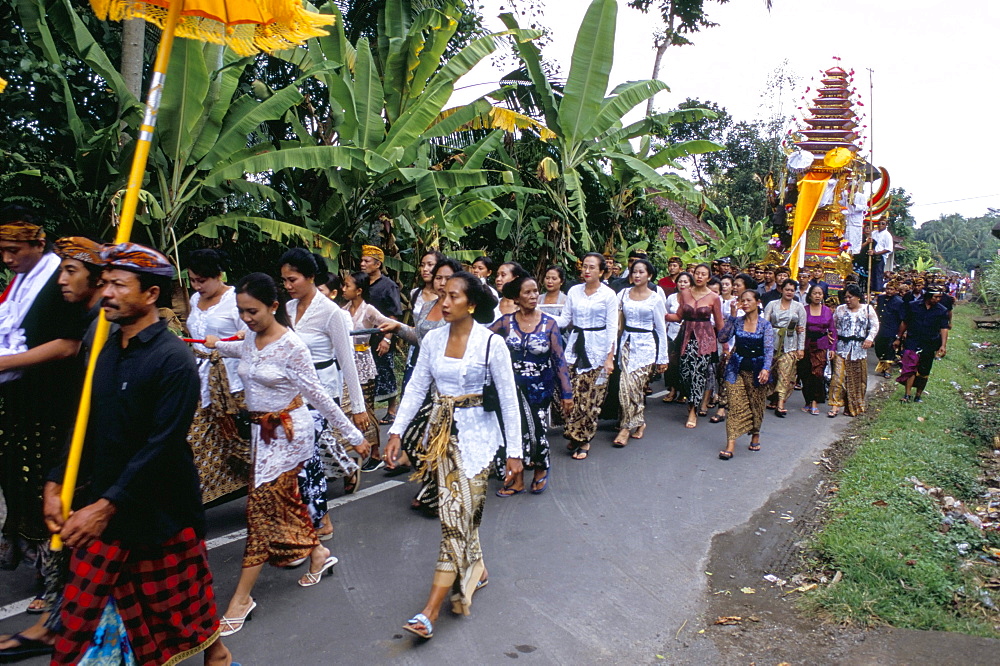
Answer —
139 588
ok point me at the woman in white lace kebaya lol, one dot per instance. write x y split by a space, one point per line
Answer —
591 313
460 358
325 329
279 380
642 345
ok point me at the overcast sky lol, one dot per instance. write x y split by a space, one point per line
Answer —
934 102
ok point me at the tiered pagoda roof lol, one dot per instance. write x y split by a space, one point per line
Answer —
833 121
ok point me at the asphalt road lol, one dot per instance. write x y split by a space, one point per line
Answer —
606 567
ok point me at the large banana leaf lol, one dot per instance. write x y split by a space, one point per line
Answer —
476 154
665 156
587 83
310 157
532 59
275 229
219 101
183 100
624 98
368 99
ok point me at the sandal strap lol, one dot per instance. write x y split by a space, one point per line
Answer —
420 618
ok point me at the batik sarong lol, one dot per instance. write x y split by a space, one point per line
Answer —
745 410
784 370
695 369
632 392
534 439
587 400
848 385
460 507
279 527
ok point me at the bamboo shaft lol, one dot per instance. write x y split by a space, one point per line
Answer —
127 220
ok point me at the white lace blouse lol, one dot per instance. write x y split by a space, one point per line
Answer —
272 377
853 328
598 310
325 329
366 316
223 321
648 316
479 434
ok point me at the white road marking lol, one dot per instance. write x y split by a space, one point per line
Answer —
19 607
658 394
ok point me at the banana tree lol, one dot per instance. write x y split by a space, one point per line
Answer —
388 99
740 238
588 122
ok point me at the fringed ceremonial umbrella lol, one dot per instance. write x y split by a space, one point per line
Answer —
246 26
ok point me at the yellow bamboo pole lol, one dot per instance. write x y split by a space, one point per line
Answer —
126 221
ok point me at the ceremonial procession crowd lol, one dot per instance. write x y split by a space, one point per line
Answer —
277 396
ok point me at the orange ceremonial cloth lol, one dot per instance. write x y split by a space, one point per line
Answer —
245 26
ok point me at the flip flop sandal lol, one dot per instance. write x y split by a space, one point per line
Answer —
725 455
420 620
481 584
26 647
538 487
388 419
581 454
37 610
754 447
508 491
717 419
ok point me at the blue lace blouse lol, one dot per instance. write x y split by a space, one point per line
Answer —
752 351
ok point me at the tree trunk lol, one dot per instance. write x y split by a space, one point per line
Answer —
133 49
661 47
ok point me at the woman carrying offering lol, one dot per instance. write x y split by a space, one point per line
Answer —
279 377
470 369
748 371
641 347
857 326
325 329
540 368
221 455
591 312
821 338
554 298
788 318
701 316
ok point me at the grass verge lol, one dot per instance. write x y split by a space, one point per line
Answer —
902 564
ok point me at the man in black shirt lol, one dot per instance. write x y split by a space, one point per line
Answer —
39 380
383 294
923 336
139 522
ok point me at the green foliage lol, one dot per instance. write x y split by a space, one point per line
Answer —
900 562
734 176
739 238
962 243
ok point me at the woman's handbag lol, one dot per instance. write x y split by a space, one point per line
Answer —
491 398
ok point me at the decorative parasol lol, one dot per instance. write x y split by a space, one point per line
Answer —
246 26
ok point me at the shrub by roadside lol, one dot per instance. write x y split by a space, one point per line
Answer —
895 527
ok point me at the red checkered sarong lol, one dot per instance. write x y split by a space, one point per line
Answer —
163 593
